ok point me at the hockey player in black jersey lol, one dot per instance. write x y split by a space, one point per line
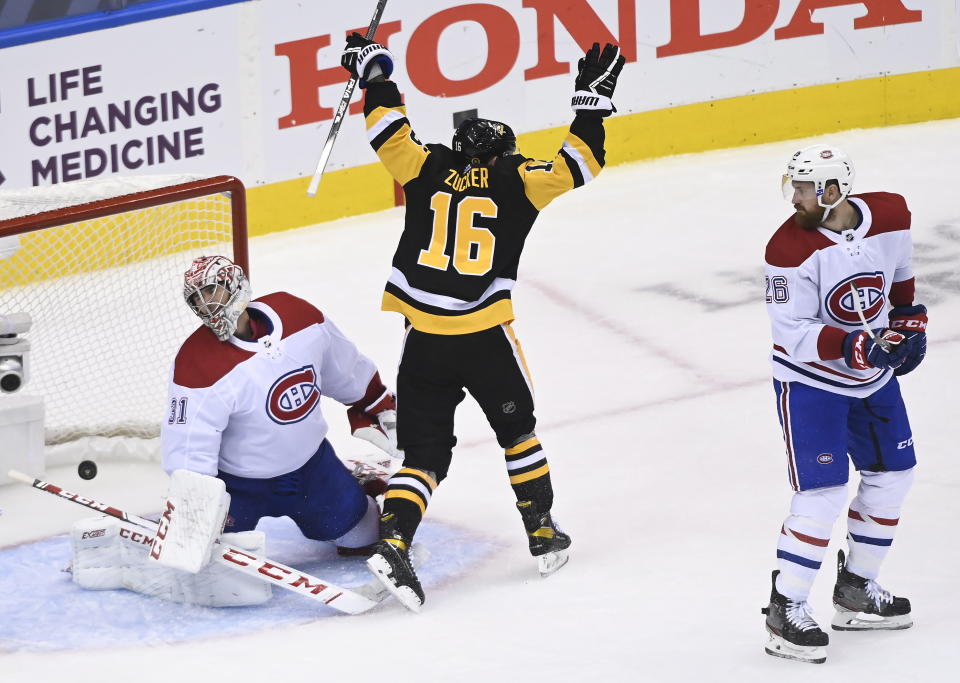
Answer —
469 209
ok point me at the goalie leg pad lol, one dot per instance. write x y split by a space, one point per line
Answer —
111 554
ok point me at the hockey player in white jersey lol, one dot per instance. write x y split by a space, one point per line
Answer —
838 257
244 406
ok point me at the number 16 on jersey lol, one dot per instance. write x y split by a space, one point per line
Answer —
473 245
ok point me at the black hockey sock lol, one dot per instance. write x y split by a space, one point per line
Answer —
407 497
530 473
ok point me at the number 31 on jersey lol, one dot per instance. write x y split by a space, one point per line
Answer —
473 245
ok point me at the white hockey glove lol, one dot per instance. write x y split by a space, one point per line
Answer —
365 59
192 519
377 423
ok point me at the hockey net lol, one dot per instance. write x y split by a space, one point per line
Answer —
98 265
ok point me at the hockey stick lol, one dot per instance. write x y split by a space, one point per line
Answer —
341 599
855 293
342 109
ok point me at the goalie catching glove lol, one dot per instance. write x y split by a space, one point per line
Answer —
365 59
597 79
373 417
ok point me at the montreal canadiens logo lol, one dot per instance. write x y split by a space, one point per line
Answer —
825 458
870 289
293 396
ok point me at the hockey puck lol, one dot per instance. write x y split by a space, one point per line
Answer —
87 469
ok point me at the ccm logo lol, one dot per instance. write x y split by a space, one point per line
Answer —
908 324
162 530
136 537
276 572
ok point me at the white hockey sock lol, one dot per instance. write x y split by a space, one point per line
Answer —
364 532
872 519
804 537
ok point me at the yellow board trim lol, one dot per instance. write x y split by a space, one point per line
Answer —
532 474
407 495
495 314
747 120
420 474
523 445
347 192
767 117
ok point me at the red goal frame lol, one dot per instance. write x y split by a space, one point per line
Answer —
141 200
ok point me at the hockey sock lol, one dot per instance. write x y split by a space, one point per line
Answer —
804 537
530 473
408 495
872 519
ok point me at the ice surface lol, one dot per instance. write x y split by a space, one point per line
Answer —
640 308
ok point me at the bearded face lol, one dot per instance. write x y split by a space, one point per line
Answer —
808 213
808 219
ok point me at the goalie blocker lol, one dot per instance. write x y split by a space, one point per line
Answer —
191 522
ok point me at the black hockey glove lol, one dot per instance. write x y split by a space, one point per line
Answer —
597 79
365 59
911 322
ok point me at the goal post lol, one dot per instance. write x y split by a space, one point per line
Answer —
98 265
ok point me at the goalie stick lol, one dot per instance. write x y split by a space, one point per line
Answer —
342 109
855 293
348 601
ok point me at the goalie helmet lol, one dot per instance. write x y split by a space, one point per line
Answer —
217 290
820 164
476 140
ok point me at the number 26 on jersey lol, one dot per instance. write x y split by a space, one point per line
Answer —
777 292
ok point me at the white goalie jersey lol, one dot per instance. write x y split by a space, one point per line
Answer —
810 301
252 408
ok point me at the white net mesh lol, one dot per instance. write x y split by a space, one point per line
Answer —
106 300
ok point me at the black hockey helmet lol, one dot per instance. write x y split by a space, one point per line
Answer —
477 140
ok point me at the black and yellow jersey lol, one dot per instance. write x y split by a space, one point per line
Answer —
465 227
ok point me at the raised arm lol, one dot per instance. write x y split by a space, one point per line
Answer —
582 155
388 129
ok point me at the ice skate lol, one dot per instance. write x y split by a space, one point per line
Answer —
547 542
793 632
391 564
863 605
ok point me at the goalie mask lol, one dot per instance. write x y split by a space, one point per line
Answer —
819 164
217 290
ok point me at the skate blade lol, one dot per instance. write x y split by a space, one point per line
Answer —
406 595
551 562
860 621
778 647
